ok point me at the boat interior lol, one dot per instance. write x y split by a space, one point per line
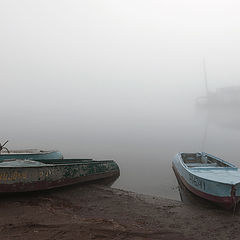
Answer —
201 160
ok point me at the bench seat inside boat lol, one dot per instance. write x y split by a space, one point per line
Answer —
202 164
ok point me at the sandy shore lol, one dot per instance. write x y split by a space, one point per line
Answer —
92 211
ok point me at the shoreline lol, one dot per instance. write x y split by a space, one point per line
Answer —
92 211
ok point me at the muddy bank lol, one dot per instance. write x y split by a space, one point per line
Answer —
92 211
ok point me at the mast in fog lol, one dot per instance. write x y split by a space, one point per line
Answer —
205 76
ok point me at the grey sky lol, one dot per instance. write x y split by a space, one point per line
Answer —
78 44
81 60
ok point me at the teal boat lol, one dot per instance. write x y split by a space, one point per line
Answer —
28 175
31 154
209 177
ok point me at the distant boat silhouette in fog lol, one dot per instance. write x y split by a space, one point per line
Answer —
222 106
223 97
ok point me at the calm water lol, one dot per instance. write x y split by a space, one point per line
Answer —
141 138
149 169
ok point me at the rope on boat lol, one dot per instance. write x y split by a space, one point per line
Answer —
2 147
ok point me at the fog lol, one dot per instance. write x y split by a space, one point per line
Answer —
118 80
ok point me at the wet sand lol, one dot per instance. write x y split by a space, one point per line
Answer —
93 211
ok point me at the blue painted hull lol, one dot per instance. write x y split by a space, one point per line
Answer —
34 155
203 181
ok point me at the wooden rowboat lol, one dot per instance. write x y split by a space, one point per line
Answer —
28 175
209 177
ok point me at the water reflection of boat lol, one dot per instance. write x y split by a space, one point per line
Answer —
107 181
222 108
222 98
209 178
224 117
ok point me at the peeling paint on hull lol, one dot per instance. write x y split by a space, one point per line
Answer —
23 179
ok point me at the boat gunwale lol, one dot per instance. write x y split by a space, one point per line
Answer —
204 153
40 152
59 164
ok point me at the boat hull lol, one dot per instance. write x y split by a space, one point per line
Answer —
225 202
24 179
218 193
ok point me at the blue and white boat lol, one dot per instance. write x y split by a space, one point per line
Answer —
209 177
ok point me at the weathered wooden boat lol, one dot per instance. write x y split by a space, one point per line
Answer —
33 154
209 177
28 175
